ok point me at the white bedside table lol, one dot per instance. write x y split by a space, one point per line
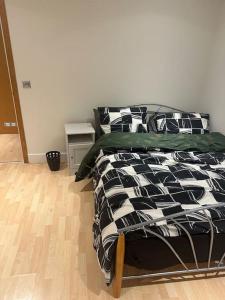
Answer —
79 139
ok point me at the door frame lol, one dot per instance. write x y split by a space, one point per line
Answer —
12 73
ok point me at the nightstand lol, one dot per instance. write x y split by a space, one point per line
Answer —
79 139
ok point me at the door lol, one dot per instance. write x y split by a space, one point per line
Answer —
8 123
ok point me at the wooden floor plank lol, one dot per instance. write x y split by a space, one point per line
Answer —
46 248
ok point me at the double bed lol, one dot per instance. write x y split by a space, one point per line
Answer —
159 190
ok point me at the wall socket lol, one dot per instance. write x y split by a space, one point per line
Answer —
9 124
26 84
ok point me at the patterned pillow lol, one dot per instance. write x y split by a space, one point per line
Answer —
123 119
192 123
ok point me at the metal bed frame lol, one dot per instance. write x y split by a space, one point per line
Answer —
160 106
211 266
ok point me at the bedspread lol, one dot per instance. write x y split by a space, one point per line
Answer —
134 187
134 182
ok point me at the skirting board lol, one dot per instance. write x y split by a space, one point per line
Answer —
40 158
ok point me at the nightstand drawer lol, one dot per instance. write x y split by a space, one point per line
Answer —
77 153
80 137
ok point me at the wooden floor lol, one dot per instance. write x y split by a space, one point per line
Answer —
10 148
46 243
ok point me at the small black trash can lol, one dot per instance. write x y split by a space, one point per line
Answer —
53 160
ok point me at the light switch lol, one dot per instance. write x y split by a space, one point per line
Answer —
26 84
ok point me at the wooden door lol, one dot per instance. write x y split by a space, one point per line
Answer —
8 123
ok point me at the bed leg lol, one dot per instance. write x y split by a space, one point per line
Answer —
119 264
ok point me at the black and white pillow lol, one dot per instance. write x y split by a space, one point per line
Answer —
123 119
191 123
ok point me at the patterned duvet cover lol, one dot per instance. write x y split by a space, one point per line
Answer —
133 186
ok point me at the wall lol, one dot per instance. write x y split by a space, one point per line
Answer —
213 100
80 54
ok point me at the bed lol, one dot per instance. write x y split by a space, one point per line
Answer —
159 198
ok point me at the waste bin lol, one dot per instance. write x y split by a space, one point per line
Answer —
53 160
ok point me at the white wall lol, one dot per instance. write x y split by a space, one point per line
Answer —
213 100
79 54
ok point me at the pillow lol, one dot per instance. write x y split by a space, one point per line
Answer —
123 119
192 123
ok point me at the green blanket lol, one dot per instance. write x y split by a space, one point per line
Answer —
212 142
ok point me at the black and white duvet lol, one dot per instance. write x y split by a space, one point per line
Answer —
131 188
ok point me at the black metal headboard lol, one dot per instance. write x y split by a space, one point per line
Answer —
151 112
